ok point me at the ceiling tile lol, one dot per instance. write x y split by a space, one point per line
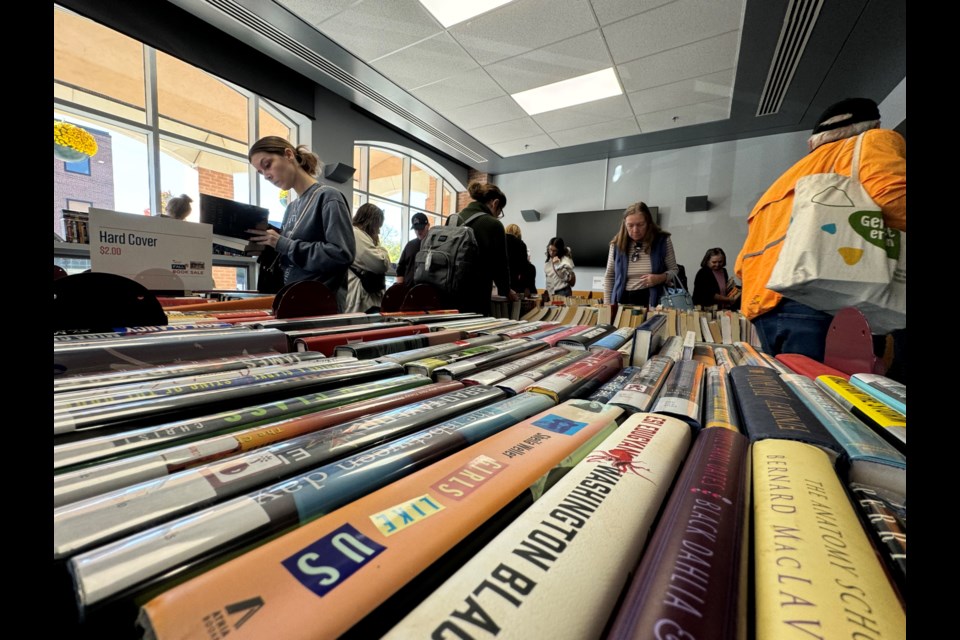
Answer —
427 61
490 112
573 57
596 132
504 131
375 28
673 25
678 94
458 91
522 26
316 11
686 116
524 145
582 115
612 10
690 61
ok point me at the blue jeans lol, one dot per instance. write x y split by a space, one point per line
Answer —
791 327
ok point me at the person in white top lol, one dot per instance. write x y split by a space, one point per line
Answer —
558 269
366 277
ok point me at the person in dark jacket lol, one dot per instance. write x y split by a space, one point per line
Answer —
518 257
710 285
492 265
408 258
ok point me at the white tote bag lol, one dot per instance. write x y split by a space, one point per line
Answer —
838 252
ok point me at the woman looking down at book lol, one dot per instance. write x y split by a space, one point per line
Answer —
366 281
316 240
712 284
558 269
640 261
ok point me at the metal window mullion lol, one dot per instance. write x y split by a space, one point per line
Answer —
153 124
253 133
405 195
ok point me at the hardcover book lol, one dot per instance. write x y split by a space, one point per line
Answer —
500 353
376 349
438 350
639 392
585 339
816 571
513 367
521 381
771 410
672 348
882 516
807 366
609 501
867 457
692 578
890 424
648 338
719 406
682 393
581 378
140 560
612 386
889 392
94 521
378 543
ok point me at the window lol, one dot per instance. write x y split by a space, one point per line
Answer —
201 125
401 185
78 205
80 166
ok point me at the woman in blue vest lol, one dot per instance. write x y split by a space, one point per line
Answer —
640 261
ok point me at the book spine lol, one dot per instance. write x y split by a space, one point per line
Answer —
520 382
89 450
880 513
379 348
390 541
505 370
857 439
672 348
502 352
582 377
110 476
614 340
609 501
612 386
682 393
890 392
95 521
554 338
640 391
438 350
149 350
890 424
815 570
704 353
750 355
106 571
799 363
328 343
719 407
692 579
771 410
193 403
76 384
587 338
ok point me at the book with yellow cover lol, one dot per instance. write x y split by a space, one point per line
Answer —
322 578
888 422
816 572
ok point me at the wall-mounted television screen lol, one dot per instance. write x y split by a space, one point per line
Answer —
588 234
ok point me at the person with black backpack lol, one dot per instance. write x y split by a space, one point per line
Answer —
467 256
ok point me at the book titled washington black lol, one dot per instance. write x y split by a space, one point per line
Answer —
771 410
692 578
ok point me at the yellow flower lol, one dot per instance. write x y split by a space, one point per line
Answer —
73 137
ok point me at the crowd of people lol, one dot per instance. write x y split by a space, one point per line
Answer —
319 240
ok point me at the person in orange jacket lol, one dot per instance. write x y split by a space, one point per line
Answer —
783 325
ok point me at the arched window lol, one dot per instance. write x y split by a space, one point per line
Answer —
402 182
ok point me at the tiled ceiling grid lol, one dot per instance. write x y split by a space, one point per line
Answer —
675 60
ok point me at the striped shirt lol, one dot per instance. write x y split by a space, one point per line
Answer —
637 268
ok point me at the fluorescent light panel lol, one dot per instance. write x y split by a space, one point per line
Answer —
451 12
567 93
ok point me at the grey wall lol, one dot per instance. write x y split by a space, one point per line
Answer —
732 174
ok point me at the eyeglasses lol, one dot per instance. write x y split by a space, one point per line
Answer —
636 254
499 214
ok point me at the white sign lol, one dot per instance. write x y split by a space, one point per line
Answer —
162 254
597 283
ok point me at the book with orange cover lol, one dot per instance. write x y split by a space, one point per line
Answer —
807 366
321 579
328 343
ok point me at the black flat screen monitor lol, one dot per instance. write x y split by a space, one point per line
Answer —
588 234
231 218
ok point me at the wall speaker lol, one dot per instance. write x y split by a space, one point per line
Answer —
338 172
530 215
697 203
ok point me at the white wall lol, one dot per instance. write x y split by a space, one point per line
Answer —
732 174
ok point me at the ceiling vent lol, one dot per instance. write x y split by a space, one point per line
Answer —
264 28
797 27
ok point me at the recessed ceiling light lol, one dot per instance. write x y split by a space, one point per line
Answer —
567 93
451 12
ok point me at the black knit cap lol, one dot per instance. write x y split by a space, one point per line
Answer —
859 110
